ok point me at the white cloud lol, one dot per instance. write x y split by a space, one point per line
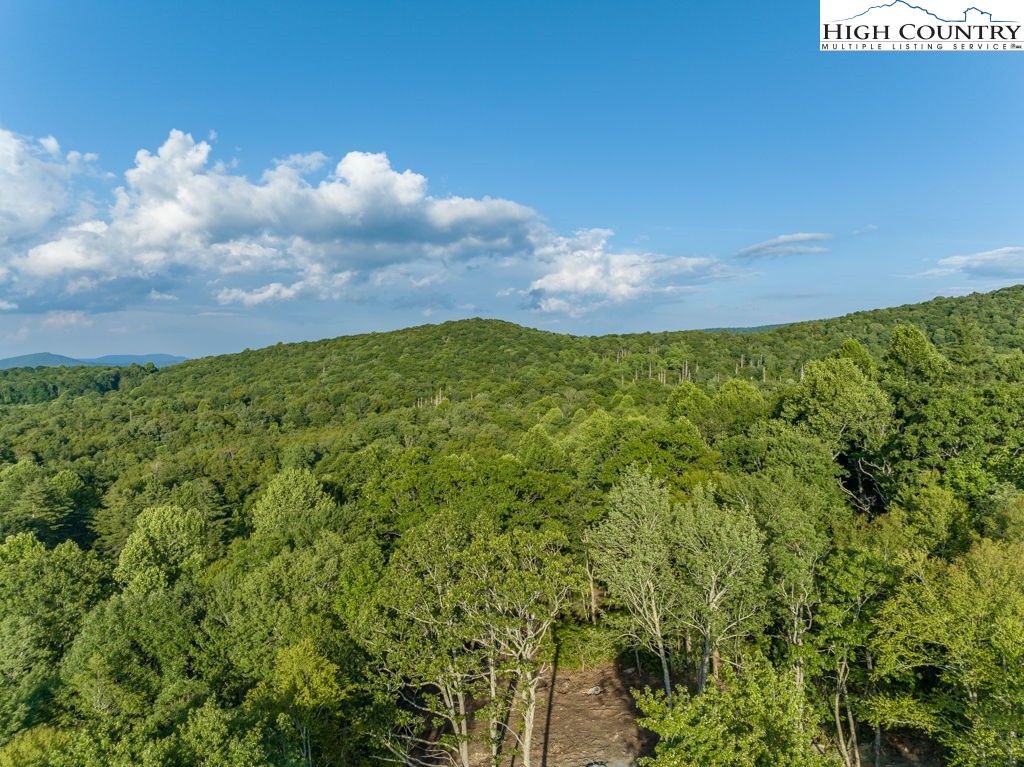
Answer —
549 304
35 185
785 245
304 229
51 145
58 257
178 211
275 291
1005 262
585 273
7 306
317 285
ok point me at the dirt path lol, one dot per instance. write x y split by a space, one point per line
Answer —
586 717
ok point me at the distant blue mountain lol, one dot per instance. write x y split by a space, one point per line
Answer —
45 359
36 360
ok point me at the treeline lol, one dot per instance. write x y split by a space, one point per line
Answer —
375 548
29 386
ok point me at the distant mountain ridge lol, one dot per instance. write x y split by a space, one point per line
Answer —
46 359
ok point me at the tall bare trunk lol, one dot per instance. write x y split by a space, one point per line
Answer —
845 740
840 731
498 710
853 730
462 731
593 594
705 663
529 711
665 676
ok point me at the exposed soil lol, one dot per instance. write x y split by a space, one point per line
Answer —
592 719
588 717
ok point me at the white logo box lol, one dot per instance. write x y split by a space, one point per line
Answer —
934 25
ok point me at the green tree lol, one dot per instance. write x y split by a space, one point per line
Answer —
213 737
167 542
303 695
721 550
633 554
912 361
131 668
854 351
962 622
839 405
417 628
25 674
754 718
292 509
690 402
44 596
796 518
522 581
865 564
736 406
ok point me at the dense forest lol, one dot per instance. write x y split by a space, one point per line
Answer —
26 385
373 549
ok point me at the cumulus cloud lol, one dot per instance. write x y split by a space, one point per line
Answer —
178 210
306 228
785 245
584 273
35 185
316 285
1005 262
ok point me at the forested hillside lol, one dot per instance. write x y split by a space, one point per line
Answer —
25 385
376 547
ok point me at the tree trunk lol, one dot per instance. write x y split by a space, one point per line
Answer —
705 663
840 732
498 711
454 706
306 749
593 594
847 742
853 729
529 710
462 731
665 676
493 733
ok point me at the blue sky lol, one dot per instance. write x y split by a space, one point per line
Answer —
197 178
